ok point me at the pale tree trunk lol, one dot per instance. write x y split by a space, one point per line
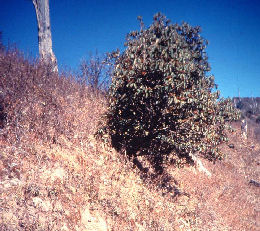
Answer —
44 32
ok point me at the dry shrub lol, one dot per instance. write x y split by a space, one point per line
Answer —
37 103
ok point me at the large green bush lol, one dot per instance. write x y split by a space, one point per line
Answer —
161 101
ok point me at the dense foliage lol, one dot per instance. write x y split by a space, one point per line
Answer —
161 101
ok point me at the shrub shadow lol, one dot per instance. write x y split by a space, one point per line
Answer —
159 178
156 174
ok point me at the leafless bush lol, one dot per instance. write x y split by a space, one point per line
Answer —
248 105
95 73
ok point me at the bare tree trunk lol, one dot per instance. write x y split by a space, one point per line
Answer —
44 32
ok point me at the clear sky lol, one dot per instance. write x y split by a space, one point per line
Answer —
80 27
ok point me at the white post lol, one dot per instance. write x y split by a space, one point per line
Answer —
244 128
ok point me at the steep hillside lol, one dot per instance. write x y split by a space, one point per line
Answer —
248 105
54 174
250 110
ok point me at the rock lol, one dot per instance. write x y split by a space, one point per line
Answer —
255 183
231 146
199 165
93 221
45 206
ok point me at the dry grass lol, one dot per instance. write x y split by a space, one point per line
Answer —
54 175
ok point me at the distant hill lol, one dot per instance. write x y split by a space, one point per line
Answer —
249 106
250 110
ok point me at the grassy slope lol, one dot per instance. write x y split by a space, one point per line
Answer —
54 175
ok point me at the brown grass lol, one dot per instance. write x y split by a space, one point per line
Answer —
54 174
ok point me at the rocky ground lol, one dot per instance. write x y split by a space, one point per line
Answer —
89 186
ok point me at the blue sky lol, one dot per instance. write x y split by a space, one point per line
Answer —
80 27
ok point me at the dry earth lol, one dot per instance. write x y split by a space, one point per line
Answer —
89 186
